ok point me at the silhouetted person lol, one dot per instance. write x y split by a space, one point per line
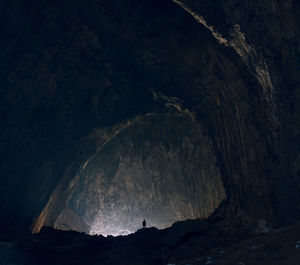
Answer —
144 223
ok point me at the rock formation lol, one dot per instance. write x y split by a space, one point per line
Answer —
104 100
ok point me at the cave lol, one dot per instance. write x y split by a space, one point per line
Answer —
141 170
180 112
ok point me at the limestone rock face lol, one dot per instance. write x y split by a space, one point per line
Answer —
146 170
265 34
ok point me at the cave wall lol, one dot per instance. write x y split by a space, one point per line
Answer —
269 30
69 68
146 169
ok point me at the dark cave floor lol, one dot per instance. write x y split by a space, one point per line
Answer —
189 242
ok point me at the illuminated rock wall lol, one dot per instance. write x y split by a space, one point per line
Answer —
161 168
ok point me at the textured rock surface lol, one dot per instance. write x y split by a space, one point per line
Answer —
70 69
266 36
160 167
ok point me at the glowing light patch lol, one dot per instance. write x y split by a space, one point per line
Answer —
118 224
113 231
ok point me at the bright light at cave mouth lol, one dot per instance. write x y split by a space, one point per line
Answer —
113 231
118 224
120 227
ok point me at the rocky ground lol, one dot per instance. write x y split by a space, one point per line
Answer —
191 242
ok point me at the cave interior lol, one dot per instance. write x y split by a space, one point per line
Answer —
182 113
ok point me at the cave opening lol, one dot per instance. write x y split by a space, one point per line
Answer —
159 167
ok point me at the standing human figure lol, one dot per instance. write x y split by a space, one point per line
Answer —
144 223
